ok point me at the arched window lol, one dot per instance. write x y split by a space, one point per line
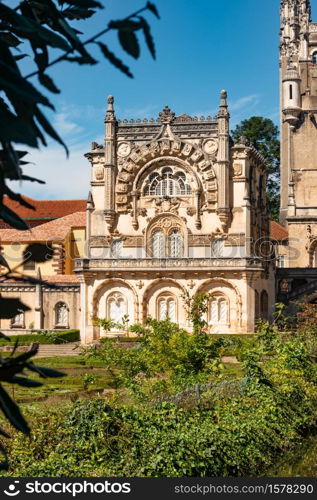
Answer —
116 307
116 249
314 57
18 320
166 308
166 183
219 311
158 245
217 249
176 245
264 305
61 315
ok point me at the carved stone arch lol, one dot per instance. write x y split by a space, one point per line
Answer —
166 222
140 156
217 284
161 162
106 289
156 289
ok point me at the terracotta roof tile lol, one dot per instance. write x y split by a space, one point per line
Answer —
277 231
56 229
46 209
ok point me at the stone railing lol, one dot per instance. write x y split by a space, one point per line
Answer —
170 264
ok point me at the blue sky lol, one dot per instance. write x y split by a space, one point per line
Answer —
202 47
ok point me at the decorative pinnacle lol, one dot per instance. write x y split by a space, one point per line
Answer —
223 100
110 109
223 107
166 116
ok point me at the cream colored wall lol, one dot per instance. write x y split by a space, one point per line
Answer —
27 295
13 253
142 294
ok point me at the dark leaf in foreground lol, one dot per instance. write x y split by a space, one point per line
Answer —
85 4
73 13
129 42
12 218
38 252
9 307
150 6
45 372
12 412
115 60
31 179
3 262
47 82
148 37
25 382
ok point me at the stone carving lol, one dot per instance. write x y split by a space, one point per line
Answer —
187 149
133 241
284 286
167 205
99 241
191 211
142 212
99 174
237 169
166 116
235 240
124 149
210 146
164 149
199 240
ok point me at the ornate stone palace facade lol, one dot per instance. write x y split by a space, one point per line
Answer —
175 207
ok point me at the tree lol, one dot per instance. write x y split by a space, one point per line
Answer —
264 136
42 31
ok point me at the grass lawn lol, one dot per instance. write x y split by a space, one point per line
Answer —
84 378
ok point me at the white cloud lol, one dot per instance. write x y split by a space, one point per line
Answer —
249 101
64 125
66 178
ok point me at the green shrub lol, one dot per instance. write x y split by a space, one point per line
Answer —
45 337
237 433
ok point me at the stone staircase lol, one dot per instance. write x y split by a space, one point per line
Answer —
52 350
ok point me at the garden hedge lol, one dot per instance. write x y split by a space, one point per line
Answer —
43 338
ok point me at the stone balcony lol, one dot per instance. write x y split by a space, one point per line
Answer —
204 264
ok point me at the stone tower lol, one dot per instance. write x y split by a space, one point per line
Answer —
298 88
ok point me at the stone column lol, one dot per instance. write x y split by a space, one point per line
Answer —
110 164
38 316
223 161
89 210
86 329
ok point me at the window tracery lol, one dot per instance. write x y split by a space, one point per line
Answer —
116 307
18 320
61 315
167 308
219 310
167 183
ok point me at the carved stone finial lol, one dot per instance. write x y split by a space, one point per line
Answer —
223 108
166 116
110 109
243 140
223 98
